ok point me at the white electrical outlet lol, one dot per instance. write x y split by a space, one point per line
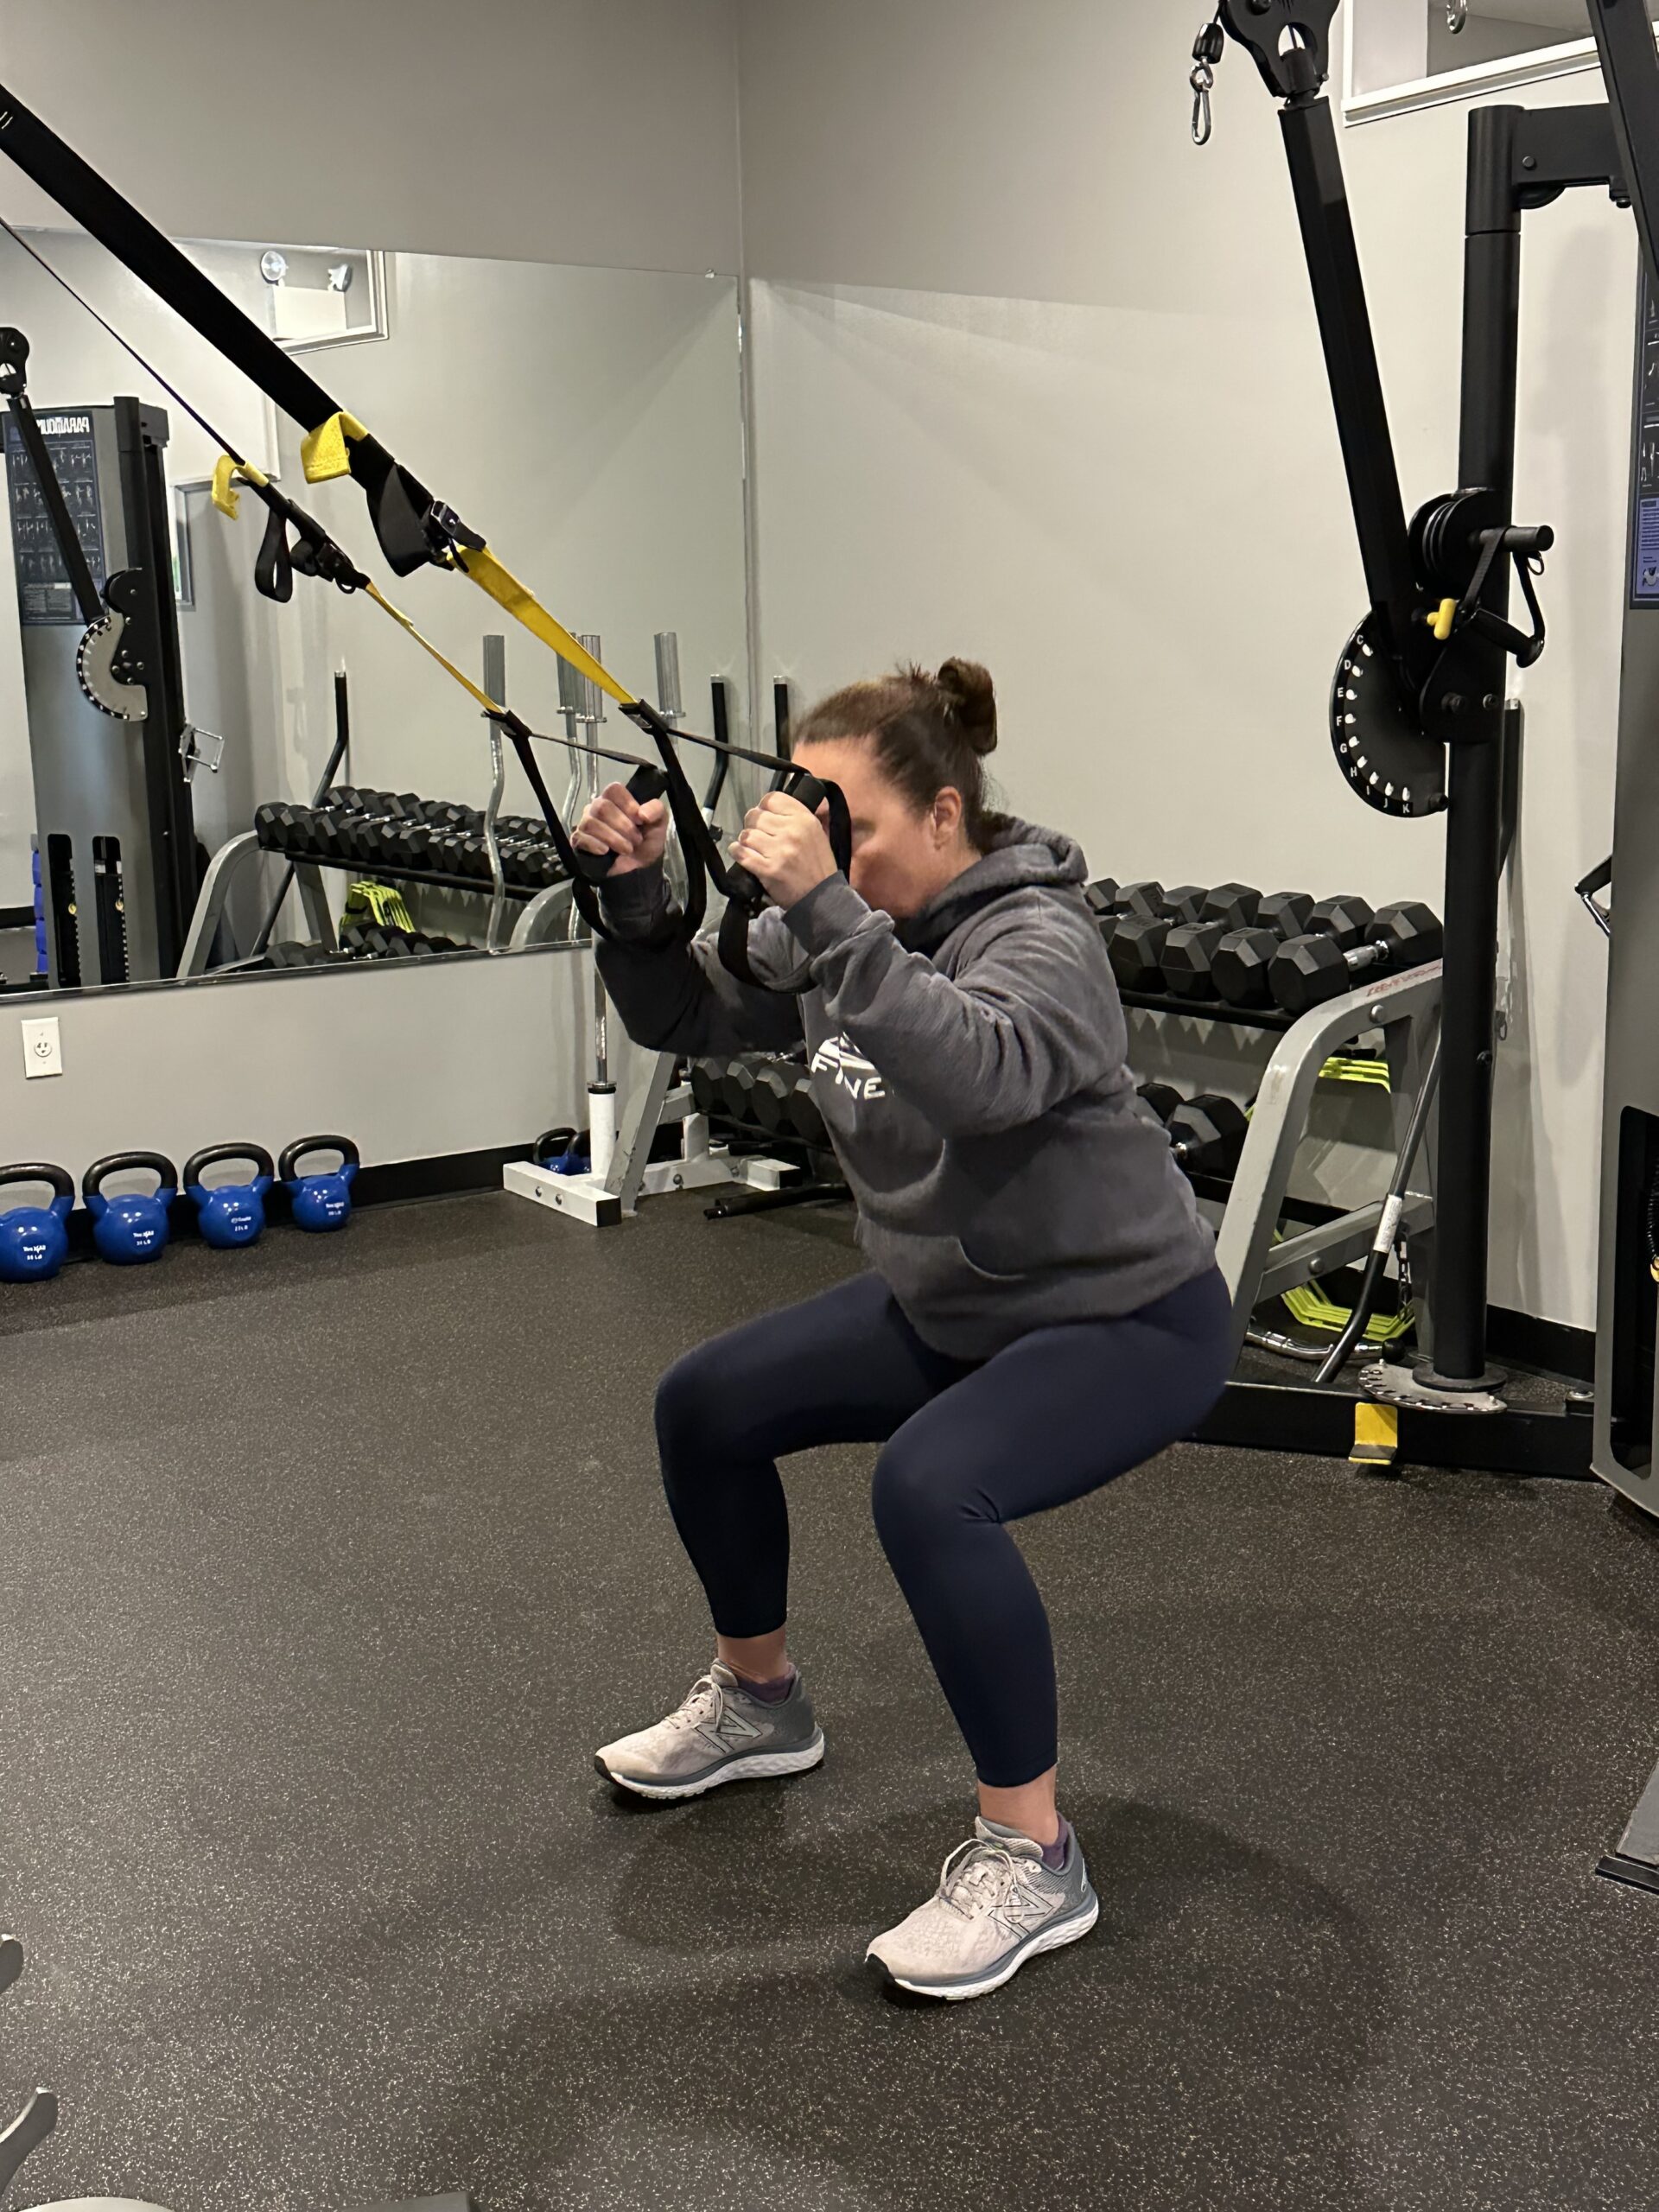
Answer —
42 1048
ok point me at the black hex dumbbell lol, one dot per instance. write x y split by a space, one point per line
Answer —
1145 900
774 1086
806 1115
1348 920
705 1088
1135 949
1103 899
1207 1134
1235 905
737 1092
1241 962
287 953
1189 959
1311 969
1161 1099
1189 955
1185 903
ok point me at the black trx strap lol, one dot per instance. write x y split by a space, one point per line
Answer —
398 505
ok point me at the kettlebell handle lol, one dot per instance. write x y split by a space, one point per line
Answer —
158 1164
63 1185
301 1147
214 1155
551 1142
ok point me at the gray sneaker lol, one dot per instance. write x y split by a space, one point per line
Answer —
997 1905
719 1734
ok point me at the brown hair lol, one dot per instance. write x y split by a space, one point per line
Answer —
931 732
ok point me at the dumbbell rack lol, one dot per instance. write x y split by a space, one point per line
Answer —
1382 1422
603 1201
542 909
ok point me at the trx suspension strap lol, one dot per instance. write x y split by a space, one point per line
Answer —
413 528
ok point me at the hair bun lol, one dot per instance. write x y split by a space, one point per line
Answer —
971 697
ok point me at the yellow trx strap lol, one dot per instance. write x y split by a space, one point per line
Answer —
325 453
426 645
518 601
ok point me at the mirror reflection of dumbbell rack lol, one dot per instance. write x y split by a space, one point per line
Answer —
361 832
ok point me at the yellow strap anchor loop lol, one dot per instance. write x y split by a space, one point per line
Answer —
227 472
325 454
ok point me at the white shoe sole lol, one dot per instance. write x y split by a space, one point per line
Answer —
1053 1939
761 1766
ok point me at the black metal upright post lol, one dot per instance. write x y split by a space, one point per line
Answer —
141 433
1474 828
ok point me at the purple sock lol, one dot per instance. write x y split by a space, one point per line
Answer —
1054 1853
771 1692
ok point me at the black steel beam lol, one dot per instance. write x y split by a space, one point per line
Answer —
1350 364
1291 1417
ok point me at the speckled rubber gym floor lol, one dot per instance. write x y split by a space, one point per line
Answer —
327 1563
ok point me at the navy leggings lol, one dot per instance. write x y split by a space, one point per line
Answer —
967 1446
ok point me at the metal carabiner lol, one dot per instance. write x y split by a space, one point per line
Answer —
1207 49
1202 79
1457 15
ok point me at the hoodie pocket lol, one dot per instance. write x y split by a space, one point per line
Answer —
933 1273
999 1278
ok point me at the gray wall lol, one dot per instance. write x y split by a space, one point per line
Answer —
1037 380
412 1061
539 129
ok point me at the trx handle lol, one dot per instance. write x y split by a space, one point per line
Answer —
587 870
809 791
745 896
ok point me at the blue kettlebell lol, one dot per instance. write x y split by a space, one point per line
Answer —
324 1201
132 1229
229 1214
34 1240
562 1153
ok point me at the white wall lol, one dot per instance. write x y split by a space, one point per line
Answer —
1039 381
539 129
275 1057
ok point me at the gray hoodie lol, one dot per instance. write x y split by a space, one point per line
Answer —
971 1065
